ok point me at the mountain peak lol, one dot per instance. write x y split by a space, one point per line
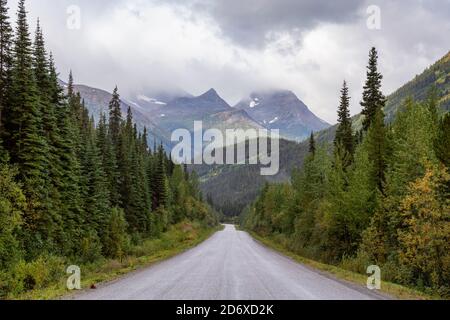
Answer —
282 109
211 93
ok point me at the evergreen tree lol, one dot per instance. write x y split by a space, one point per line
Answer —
109 159
442 141
115 117
373 98
117 240
378 150
160 184
312 144
47 110
118 142
344 133
95 187
70 184
5 67
26 142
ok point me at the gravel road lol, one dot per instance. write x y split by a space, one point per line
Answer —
230 265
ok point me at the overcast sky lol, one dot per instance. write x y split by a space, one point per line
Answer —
238 46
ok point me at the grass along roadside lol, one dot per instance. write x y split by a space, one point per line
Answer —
177 239
391 289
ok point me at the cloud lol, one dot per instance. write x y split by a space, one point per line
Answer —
240 46
249 22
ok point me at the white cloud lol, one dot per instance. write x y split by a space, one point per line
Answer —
140 44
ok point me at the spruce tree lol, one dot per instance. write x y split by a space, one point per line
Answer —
118 142
69 185
115 117
26 142
109 159
344 134
5 67
378 150
95 185
160 184
41 67
373 99
312 144
442 142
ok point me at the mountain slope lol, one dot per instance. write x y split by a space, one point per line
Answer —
437 75
232 187
284 111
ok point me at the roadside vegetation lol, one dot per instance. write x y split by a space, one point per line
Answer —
49 273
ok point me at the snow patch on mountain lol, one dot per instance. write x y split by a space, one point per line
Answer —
273 120
254 103
134 104
150 100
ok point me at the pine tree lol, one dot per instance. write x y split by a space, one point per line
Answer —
41 67
117 241
432 104
26 143
312 144
442 142
373 98
118 148
115 117
160 184
378 150
125 166
344 133
71 202
109 159
5 68
95 185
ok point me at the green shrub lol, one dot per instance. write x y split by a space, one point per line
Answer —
91 248
25 276
117 242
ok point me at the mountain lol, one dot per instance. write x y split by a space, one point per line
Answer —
283 110
209 108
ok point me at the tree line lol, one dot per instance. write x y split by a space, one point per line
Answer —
379 195
71 187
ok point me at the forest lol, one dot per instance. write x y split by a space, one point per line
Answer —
72 190
377 196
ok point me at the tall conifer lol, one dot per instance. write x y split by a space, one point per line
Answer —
373 99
